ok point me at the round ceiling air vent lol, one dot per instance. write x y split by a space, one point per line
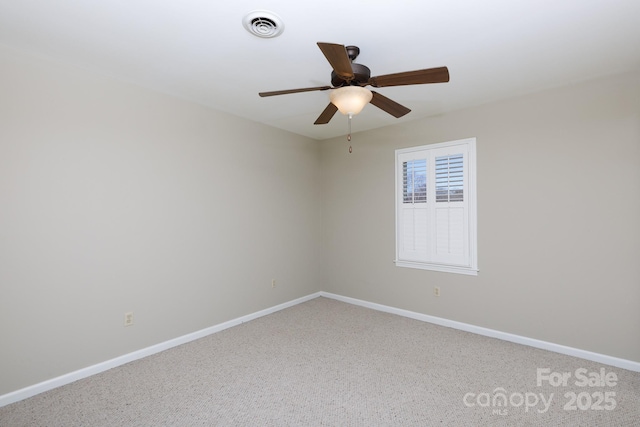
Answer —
262 23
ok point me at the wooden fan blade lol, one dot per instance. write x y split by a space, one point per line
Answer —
418 77
326 115
338 57
386 104
284 92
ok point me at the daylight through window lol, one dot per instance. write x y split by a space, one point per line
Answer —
436 207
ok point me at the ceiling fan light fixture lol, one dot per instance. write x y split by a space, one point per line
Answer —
350 100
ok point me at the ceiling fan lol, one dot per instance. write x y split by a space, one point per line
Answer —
347 75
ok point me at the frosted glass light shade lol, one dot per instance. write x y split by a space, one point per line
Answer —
350 99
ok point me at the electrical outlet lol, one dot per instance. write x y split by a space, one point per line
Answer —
273 283
128 319
436 291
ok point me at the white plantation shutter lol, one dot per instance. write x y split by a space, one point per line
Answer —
435 217
451 225
414 245
413 211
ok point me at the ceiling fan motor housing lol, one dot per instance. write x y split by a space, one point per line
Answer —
361 75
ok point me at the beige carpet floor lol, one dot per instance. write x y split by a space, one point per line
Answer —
328 363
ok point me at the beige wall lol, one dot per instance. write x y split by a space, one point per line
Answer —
115 199
558 218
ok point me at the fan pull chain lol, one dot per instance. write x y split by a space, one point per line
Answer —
349 134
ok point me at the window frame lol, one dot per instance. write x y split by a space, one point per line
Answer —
468 145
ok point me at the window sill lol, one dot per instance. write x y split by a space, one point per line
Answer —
469 271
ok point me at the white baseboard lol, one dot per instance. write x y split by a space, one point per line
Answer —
30 391
531 342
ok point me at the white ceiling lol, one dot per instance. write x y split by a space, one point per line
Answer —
199 50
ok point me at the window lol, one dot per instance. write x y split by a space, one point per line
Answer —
436 207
